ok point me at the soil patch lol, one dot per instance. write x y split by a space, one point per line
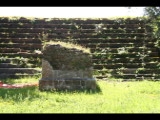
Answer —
19 85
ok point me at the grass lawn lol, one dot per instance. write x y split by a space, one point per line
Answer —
113 97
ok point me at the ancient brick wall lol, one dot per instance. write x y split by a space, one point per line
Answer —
121 48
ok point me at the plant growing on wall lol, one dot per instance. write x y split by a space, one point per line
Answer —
122 50
43 37
154 15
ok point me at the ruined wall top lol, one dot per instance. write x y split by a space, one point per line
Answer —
67 56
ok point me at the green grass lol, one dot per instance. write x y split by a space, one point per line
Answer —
113 97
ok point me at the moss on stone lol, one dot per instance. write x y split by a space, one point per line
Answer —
68 45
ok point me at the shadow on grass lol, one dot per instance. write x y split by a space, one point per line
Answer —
67 91
19 94
31 93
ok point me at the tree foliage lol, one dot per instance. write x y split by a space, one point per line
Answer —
153 13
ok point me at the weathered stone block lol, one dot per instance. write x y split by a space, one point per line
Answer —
66 68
